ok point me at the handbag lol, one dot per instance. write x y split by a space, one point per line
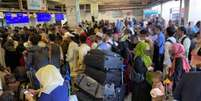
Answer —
136 77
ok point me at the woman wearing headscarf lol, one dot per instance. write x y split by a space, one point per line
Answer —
54 88
180 64
142 61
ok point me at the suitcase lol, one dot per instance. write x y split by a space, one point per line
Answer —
91 86
83 96
112 76
112 93
103 60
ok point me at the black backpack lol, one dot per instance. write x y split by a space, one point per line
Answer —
192 46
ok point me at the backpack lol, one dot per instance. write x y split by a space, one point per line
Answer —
114 48
192 46
168 40
136 77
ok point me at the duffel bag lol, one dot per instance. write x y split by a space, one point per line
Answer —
91 86
112 76
103 60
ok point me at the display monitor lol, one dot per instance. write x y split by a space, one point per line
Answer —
59 16
43 17
14 18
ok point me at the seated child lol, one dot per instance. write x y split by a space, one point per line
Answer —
158 89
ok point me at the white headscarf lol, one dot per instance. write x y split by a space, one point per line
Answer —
50 78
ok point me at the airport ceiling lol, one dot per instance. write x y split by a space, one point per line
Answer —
103 4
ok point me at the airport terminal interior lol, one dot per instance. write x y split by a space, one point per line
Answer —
100 50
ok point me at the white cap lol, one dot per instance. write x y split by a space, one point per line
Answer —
67 34
99 34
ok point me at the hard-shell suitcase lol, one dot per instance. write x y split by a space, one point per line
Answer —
103 60
112 76
114 93
91 86
83 96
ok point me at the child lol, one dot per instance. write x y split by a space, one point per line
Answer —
158 89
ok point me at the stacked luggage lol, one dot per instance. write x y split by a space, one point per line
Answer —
103 77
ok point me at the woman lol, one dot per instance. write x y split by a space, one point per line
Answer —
142 61
54 88
180 64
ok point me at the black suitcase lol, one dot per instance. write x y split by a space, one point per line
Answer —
90 86
83 96
118 95
103 60
112 76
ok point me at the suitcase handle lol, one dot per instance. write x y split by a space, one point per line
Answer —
90 84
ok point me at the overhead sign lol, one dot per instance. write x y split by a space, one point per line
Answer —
14 18
37 4
43 17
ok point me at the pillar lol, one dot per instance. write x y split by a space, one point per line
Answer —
73 12
180 12
94 9
186 11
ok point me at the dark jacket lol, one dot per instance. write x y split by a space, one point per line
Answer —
189 88
37 57
140 91
55 55
178 72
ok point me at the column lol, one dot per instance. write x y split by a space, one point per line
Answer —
94 9
180 11
73 12
186 11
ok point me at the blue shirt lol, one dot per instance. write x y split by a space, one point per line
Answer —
58 94
104 46
160 42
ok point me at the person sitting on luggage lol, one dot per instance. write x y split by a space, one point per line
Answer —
180 64
158 89
54 88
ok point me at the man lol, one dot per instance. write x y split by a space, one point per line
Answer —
159 48
106 43
82 50
170 31
72 52
184 40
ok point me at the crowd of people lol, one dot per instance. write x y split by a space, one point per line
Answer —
153 52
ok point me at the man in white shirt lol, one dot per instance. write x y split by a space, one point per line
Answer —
72 54
82 50
184 40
